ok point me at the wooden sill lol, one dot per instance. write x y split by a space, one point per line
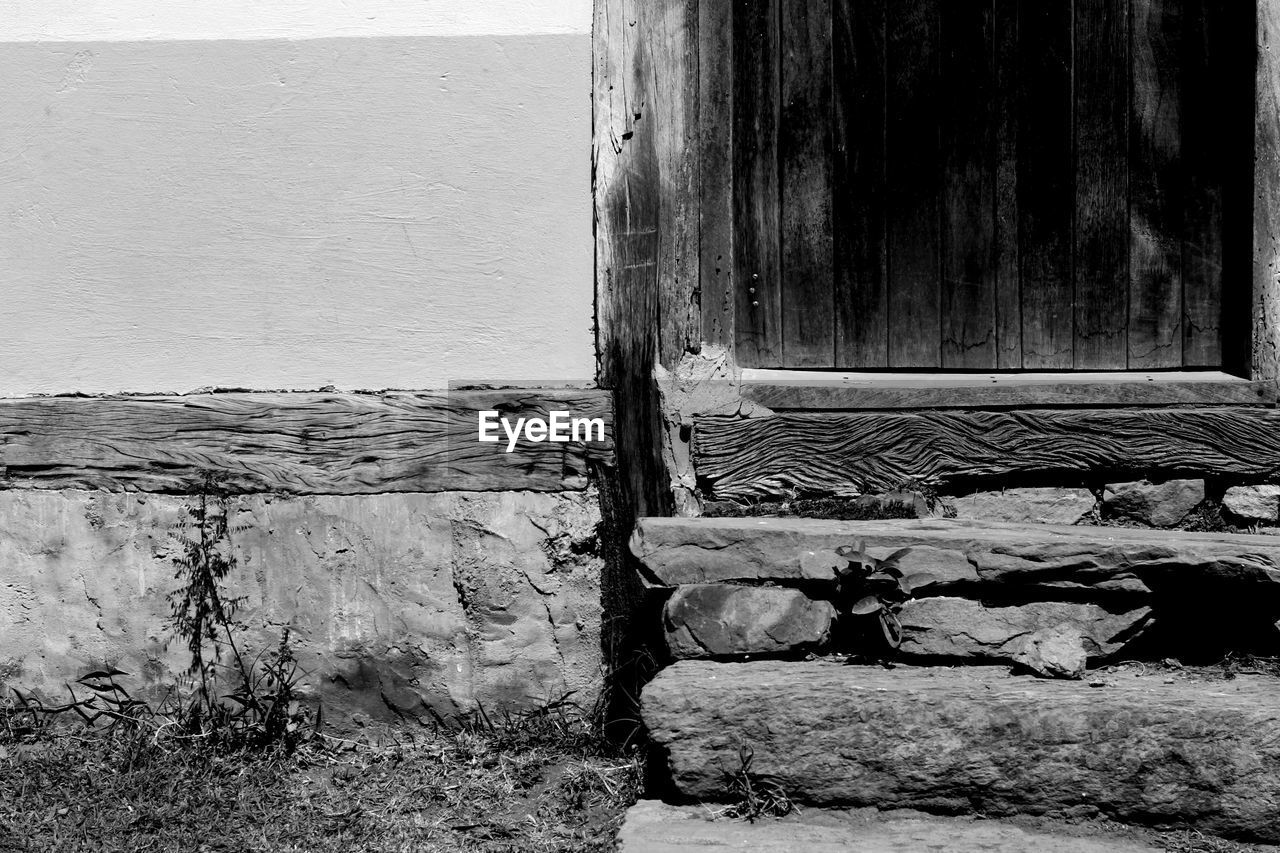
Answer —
835 390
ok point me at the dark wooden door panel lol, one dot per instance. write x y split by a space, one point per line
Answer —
1206 80
1005 100
985 184
1045 185
967 82
808 319
1155 229
858 188
755 183
914 177
1101 239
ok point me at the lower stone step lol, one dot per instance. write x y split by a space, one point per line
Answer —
655 827
977 740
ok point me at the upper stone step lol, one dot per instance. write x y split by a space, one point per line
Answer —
677 551
1143 748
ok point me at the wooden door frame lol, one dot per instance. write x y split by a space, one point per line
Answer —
664 244
664 200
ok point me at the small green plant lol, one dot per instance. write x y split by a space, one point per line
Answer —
873 586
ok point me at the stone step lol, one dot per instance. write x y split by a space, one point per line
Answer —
741 586
655 827
1142 749
677 551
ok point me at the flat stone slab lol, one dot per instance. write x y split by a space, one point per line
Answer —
959 627
704 550
979 740
715 620
1035 505
655 827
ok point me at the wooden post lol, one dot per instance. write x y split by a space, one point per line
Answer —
1266 195
645 151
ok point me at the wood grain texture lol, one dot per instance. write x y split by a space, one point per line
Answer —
629 177
858 204
1008 276
940 392
292 443
1101 238
1156 170
808 323
914 176
1266 195
1046 198
856 453
671 34
967 82
757 262
715 108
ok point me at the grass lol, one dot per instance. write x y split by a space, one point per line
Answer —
538 781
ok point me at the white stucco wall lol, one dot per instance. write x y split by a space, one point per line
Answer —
135 20
293 194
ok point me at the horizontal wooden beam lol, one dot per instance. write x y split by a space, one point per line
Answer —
294 443
836 391
852 453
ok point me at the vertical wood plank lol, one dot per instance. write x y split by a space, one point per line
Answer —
1207 89
715 101
858 212
1155 251
672 28
1101 241
967 88
913 178
1008 274
755 183
627 186
808 322
1266 195
1046 198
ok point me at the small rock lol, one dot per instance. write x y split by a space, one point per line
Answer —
1056 652
712 620
1253 503
1039 506
1157 504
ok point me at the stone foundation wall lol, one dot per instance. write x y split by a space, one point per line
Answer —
401 605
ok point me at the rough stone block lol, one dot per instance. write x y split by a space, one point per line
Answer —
1157 504
1037 506
959 627
1253 503
400 604
711 620
977 738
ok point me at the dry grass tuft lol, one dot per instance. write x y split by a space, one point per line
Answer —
535 781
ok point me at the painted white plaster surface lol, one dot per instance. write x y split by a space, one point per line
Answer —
134 20
362 213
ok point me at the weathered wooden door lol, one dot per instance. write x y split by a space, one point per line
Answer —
991 184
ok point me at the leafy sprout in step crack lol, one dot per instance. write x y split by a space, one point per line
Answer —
873 586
